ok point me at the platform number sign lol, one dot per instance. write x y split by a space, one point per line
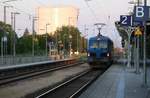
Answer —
126 20
141 13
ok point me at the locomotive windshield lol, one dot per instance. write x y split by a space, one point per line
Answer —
98 44
94 45
102 44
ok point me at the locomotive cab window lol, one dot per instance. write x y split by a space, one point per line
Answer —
94 45
102 44
98 44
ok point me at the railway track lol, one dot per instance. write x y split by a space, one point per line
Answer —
25 75
73 87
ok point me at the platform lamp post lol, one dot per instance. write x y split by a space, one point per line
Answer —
12 23
60 45
145 2
144 52
70 37
12 20
14 35
77 45
33 34
3 47
136 40
5 7
5 40
64 48
2 51
46 40
84 41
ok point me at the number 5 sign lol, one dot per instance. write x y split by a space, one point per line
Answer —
126 20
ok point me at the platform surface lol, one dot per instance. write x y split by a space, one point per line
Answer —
119 82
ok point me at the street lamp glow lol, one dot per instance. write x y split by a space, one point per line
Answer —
70 36
77 52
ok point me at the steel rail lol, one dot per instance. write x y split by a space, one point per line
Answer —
68 82
32 74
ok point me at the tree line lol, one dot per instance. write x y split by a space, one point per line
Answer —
62 38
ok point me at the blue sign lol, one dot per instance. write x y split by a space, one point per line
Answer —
138 23
141 13
126 20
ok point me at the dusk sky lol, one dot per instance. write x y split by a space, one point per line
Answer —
105 11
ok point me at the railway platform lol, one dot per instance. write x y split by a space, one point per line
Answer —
119 82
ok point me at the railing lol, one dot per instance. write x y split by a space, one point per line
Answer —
24 59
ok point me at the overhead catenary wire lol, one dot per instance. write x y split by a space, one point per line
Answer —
99 5
20 10
91 10
100 25
40 3
17 9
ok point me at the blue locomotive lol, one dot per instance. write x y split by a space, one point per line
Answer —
100 51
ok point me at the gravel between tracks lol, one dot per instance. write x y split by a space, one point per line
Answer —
20 89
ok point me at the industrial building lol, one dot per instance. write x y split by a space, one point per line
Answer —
54 17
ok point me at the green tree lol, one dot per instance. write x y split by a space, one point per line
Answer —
63 35
26 32
24 45
6 30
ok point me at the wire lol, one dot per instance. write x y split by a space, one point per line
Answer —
19 10
92 11
22 11
9 1
40 3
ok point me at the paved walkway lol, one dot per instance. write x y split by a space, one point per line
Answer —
119 82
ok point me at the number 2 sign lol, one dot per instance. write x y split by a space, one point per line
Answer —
126 20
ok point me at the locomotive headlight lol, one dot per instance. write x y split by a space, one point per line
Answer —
88 54
108 54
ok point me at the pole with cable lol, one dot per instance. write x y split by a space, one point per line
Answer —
2 56
46 40
33 35
145 2
137 50
5 14
14 36
144 58
69 20
92 11
5 7
144 51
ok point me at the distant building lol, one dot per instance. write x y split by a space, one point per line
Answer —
56 17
